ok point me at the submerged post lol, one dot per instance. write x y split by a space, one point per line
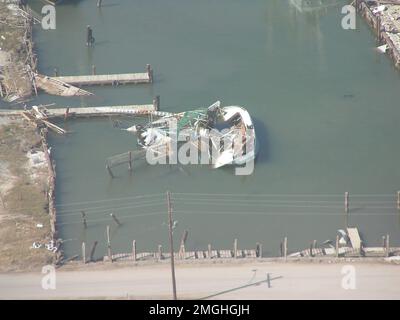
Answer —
109 171
115 219
235 248
209 251
149 71
398 200
99 3
182 249
84 219
66 114
134 250
259 250
83 252
337 246
109 244
285 240
92 251
130 160
56 72
156 103
346 208
387 246
89 36
160 256
93 69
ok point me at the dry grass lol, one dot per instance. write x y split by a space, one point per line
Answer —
25 203
12 31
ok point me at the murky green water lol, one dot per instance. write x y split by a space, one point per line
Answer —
325 105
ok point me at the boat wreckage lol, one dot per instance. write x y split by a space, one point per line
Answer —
216 136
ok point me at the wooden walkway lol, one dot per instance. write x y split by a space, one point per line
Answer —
109 79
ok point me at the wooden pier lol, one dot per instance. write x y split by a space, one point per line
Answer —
109 79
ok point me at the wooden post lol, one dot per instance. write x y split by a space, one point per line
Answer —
156 103
92 251
134 250
84 219
160 256
93 69
182 249
109 171
337 246
285 240
387 246
209 251
311 250
346 208
149 72
56 72
66 114
83 253
171 245
235 248
130 161
99 3
109 244
89 36
115 219
259 250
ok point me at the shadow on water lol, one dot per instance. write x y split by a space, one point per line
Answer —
262 141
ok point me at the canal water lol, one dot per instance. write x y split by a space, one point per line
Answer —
324 101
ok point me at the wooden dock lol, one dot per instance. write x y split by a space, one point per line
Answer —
106 79
109 79
105 111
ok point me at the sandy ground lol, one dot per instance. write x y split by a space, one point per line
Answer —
288 281
22 198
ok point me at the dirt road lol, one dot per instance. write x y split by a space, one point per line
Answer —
287 281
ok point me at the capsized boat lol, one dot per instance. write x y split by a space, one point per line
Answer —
226 135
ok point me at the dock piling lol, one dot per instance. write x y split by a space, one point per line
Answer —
109 244
182 249
337 246
130 161
93 70
83 252
387 251
109 171
209 251
56 72
258 250
160 255
92 251
285 242
115 219
149 71
84 219
89 36
235 248
346 208
134 250
156 103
